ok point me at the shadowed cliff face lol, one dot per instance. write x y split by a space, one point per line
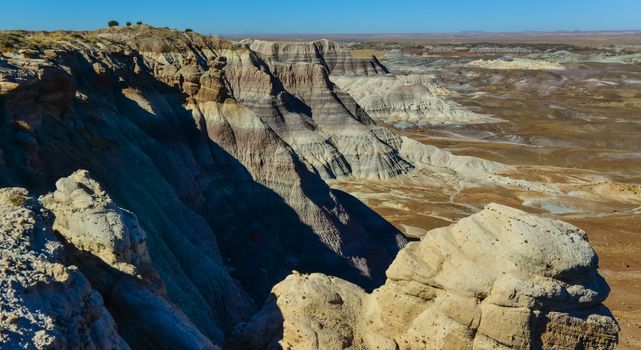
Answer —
228 206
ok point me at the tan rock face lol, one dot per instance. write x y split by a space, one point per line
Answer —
88 218
107 244
336 59
407 100
44 304
497 279
520 63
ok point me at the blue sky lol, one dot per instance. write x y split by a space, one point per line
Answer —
327 16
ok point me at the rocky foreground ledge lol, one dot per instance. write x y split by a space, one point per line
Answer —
499 279
52 285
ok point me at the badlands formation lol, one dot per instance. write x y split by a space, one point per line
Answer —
517 64
407 100
168 190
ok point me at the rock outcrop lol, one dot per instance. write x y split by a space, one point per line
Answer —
428 157
88 219
269 148
333 57
45 304
288 86
51 301
407 100
519 63
499 279
109 245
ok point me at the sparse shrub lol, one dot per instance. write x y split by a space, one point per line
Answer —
189 30
7 47
128 24
113 23
17 199
139 23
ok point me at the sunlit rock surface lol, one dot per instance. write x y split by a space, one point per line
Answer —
45 304
499 279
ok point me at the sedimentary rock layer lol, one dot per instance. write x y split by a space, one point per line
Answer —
288 86
333 57
108 244
407 100
519 63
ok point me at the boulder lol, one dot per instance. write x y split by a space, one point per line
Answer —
499 279
87 218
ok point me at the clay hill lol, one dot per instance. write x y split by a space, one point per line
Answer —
169 190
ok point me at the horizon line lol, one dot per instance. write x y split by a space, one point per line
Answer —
455 32
559 31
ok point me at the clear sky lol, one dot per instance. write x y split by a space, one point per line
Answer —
327 16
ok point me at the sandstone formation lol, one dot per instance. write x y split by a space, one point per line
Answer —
45 304
333 57
431 157
567 57
85 110
288 86
407 100
99 232
89 220
59 307
518 63
499 279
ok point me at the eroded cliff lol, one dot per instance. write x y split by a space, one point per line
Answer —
228 206
222 150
